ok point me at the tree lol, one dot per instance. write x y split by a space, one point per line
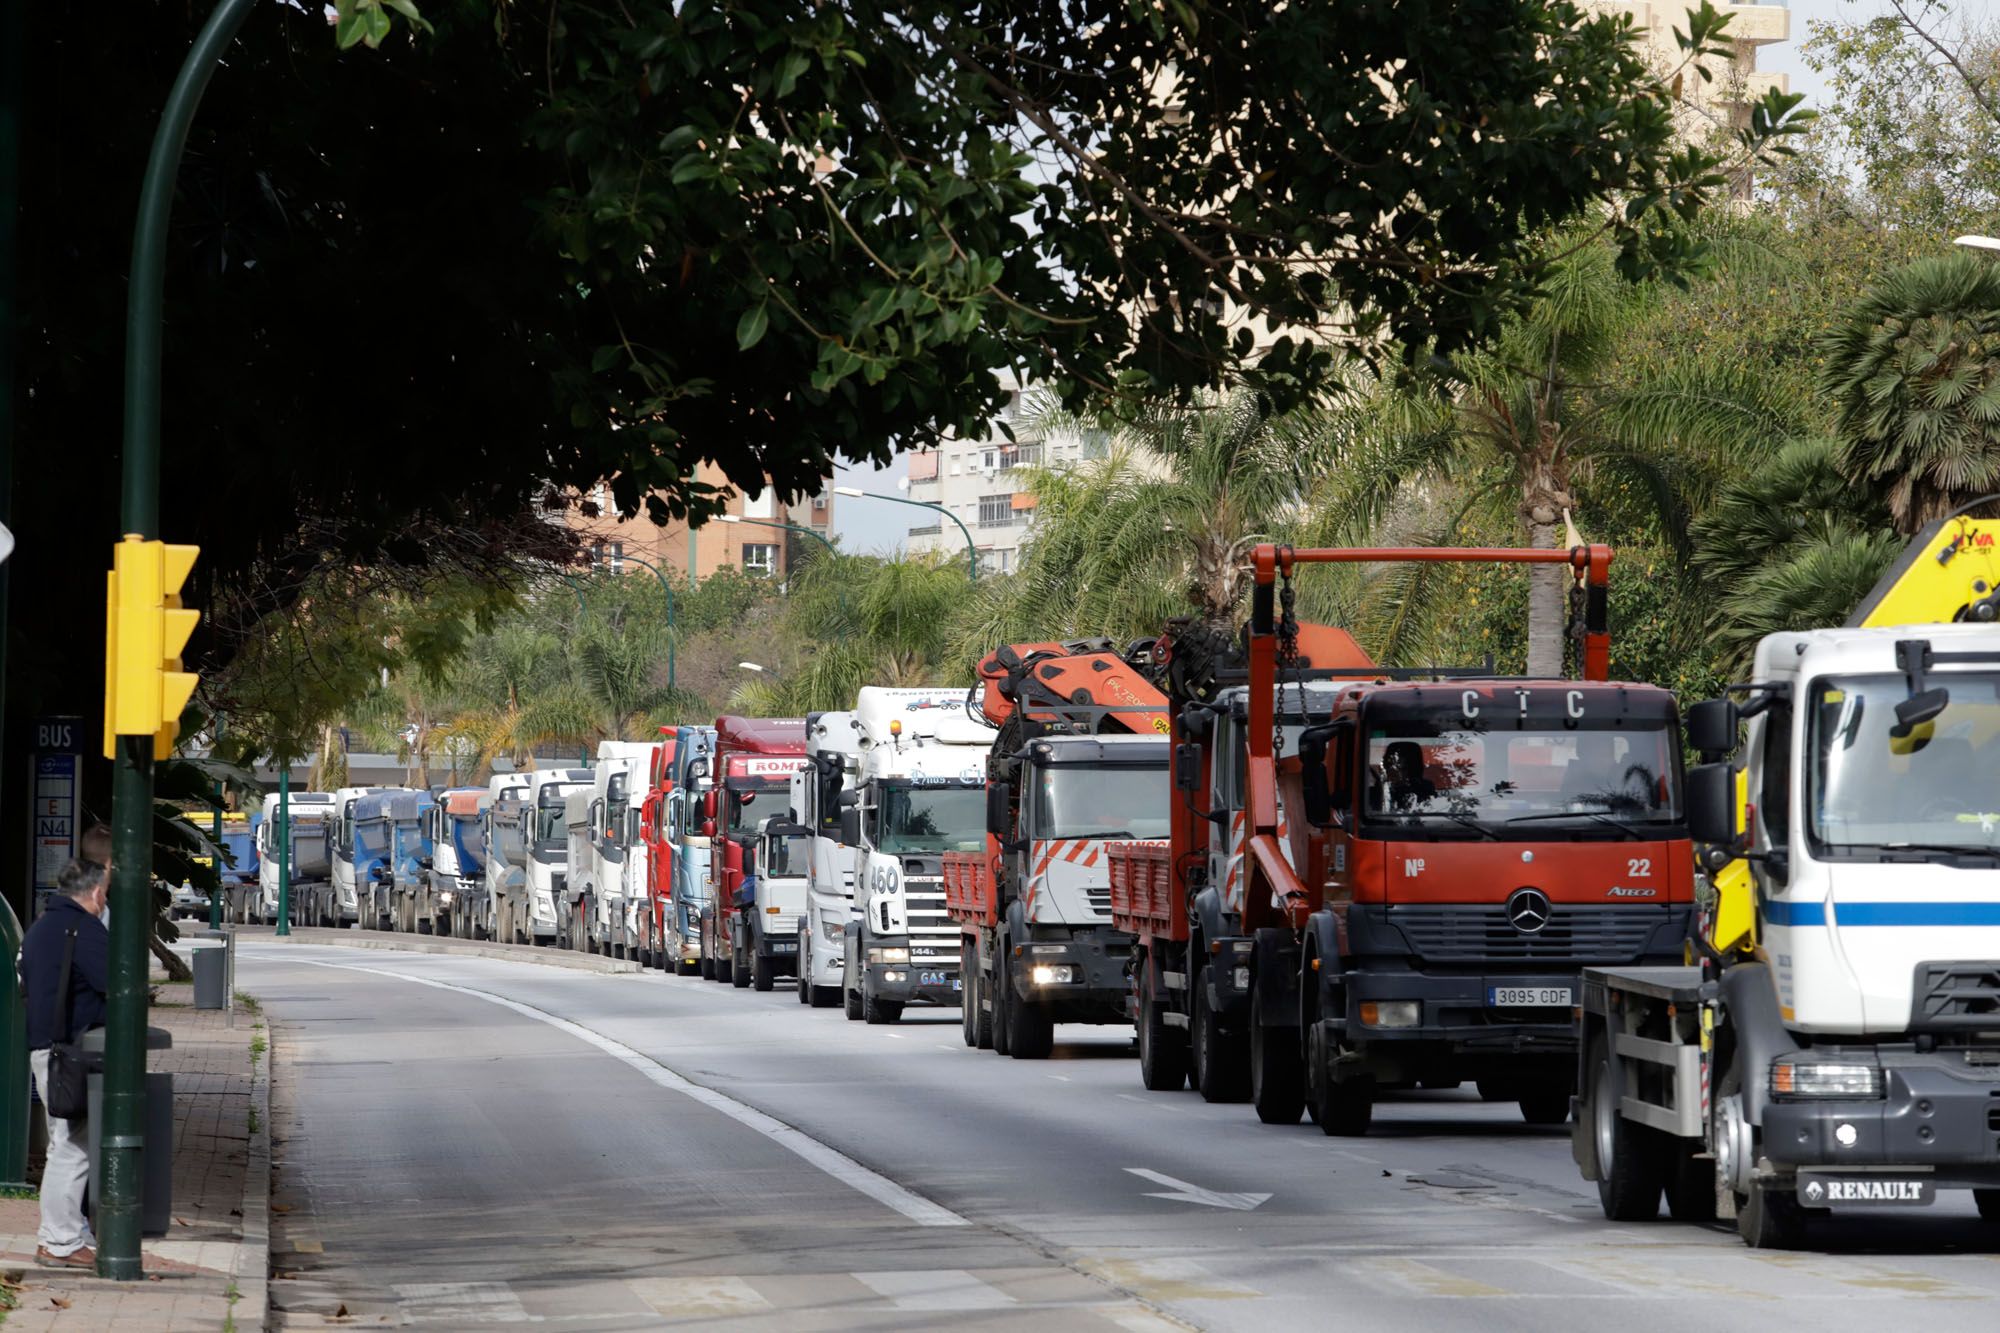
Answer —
1916 371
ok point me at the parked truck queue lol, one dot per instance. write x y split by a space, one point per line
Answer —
1758 988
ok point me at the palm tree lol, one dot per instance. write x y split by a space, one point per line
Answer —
1916 369
1158 528
1506 437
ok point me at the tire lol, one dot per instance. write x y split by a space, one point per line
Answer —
1002 1001
1632 1159
1034 1029
1770 1219
706 967
825 997
880 1011
725 971
1493 1090
805 991
1988 1203
744 973
1545 1108
850 1003
1277 1083
1691 1186
968 1009
1221 1059
1342 1108
1163 1051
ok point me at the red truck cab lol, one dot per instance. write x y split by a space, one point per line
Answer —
659 854
755 758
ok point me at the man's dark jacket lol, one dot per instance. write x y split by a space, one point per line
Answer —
41 968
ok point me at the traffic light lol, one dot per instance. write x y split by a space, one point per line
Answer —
144 632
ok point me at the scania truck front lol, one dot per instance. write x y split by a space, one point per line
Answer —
539 894
922 793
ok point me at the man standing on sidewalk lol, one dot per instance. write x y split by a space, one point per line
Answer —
65 1239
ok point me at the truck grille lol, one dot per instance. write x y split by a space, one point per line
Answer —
1573 934
933 935
1956 995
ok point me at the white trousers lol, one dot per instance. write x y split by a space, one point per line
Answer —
65 1230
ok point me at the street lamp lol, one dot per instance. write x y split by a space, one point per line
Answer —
971 547
789 527
1978 242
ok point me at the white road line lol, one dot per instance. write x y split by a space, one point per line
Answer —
895 1036
1060 1078
827 1158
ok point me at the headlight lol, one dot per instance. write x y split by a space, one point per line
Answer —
897 955
833 932
1817 1078
1392 1013
1045 974
444 897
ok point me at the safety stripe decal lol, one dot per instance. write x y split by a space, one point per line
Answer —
1781 913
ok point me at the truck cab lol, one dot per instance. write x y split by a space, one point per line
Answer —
509 831
536 911
689 832
310 815
599 885
652 893
374 854
771 902
350 861
753 764
833 750
921 793
410 857
451 900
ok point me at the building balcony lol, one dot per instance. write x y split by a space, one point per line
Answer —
1757 25
930 530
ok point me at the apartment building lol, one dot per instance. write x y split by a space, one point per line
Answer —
1723 104
983 484
751 536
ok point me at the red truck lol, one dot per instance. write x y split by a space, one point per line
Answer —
1382 878
755 758
653 950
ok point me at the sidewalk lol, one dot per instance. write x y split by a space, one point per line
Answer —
211 1269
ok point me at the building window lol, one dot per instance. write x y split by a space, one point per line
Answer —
819 502
618 557
760 558
996 511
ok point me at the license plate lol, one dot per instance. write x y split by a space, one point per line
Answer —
785 946
939 979
1824 1191
1528 997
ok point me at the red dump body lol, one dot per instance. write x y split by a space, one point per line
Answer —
971 897
1143 900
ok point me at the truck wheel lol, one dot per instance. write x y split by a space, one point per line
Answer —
1341 1109
968 1006
725 970
1988 1203
805 962
1770 1219
1545 1108
761 973
1034 1029
850 1003
825 997
1277 1089
1691 1185
880 1011
1002 1001
1494 1090
1631 1158
1221 1059
1163 1052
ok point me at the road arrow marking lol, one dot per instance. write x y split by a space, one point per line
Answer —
1182 1192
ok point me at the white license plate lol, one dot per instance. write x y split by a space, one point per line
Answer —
1528 997
938 979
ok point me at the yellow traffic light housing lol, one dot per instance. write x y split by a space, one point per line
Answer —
145 632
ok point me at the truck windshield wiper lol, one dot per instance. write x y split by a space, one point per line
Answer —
1942 848
1609 821
1467 820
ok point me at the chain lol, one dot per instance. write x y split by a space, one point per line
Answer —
1573 633
1288 656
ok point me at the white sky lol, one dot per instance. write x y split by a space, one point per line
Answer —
872 526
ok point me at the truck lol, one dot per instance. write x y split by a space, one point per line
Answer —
312 821
1080 759
833 762
1836 1040
1380 879
687 832
655 880
532 904
751 770
350 861
771 903
920 792
375 858
509 831
451 900
598 860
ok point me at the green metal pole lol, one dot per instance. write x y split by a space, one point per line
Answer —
971 546
285 848
666 588
123 1137
215 894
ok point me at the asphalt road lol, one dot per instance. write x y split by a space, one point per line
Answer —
464 1141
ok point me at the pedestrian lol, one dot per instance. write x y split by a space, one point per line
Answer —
65 1240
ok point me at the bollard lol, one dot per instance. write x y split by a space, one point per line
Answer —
14 1081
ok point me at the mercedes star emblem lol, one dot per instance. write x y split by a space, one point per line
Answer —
1528 910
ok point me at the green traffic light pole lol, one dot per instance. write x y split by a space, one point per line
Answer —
284 841
971 546
123 1136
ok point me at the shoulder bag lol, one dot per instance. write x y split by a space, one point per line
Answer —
69 1084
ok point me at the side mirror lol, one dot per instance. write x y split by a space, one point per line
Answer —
1711 802
1000 809
708 828
850 827
1711 726
1321 798
1187 767
850 799
1919 708
710 800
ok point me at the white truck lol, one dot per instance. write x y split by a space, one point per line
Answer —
452 900
771 904
509 830
1839 1041
532 903
312 820
600 882
921 793
833 762
345 905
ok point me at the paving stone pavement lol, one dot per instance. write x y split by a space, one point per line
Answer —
210 1270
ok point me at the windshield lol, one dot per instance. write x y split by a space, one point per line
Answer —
551 824
930 819
751 801
1101 801
371 838
1420 775
1870 790
786 856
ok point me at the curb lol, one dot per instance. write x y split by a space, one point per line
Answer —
253 1308
517 953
